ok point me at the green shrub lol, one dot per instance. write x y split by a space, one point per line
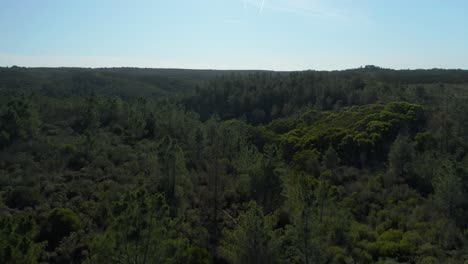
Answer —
392 235
424 141
410 242
428 260
17 235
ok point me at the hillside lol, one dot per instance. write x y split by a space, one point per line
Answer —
131 165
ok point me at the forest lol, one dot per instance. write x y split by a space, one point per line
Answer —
133 165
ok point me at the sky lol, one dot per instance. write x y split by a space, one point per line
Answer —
235 34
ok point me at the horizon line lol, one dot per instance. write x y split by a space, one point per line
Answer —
370 66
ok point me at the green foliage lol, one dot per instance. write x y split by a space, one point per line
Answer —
309 201
252 239
400 158
424 140
448 191
153 166
307 160
18 120
428 260
331 159
21 197
60 223
17 239
388 243
143 232
357 133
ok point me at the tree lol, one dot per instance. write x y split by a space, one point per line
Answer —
400 158
91 118
136 124
331 159
114 112
18 120
252 239
448 189
21 197
142 231
60 223
304 231
215 179
173 181
17 234
265 174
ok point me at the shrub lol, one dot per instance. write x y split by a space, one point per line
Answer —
428 260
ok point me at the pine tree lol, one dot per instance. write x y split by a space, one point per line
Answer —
448 189
252 239
141 232
304 231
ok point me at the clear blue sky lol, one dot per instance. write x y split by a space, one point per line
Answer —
235 34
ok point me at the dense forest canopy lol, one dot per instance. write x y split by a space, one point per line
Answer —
128 165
